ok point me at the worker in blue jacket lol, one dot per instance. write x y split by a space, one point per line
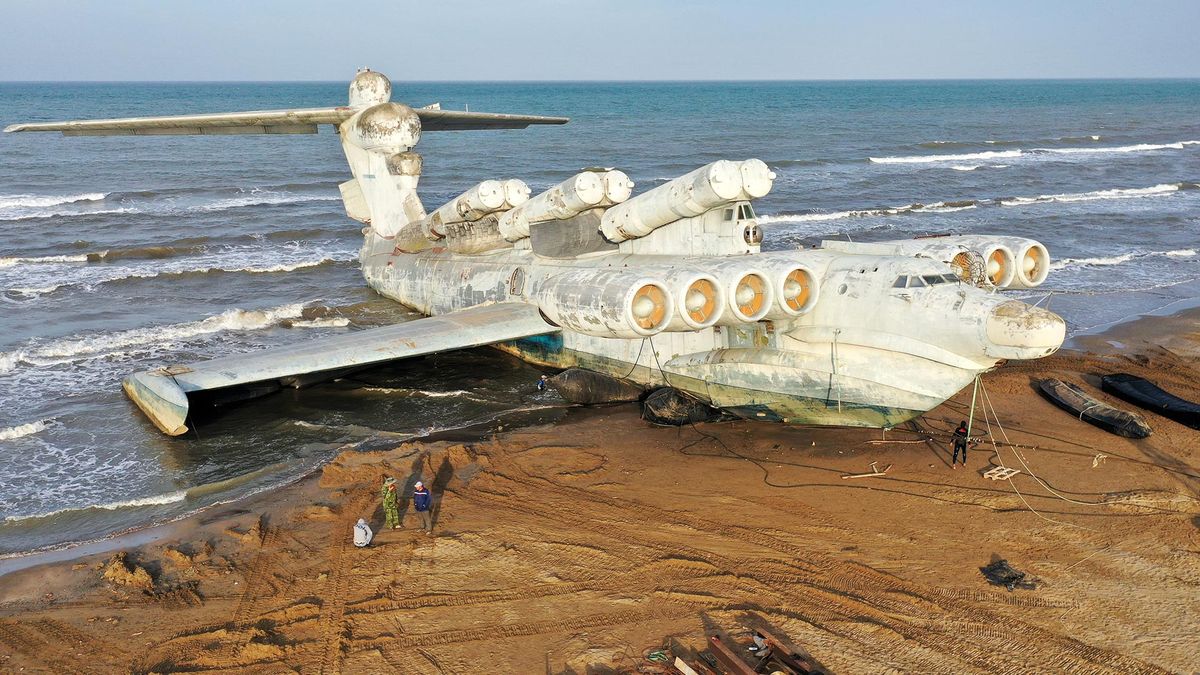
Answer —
421 503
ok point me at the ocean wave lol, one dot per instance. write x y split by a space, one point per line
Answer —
43 260
143 253
964 204
922 159
91 346
327 322
153 500
16 205
1120 259
28 207
32 281
1114 193
20 201
259 197
935 207
1001 154
24 430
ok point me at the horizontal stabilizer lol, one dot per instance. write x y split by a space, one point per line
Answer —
162 394
299 121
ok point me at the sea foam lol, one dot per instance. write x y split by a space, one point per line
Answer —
1115 193
23 430
1001 154
91 346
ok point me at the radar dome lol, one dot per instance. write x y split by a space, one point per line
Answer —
369 88
387 127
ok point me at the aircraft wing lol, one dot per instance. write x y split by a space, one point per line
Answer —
298 121
163 394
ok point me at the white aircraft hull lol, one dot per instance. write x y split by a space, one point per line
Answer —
758 371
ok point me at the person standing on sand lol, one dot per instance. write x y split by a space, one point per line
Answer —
960 444
391 503
421 503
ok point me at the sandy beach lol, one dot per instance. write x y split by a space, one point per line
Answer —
587 545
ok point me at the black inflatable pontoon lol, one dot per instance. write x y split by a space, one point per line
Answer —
1144 393
1113 420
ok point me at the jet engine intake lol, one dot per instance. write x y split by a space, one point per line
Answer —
713 185
795 289
606 303
1033 262
749 294
699 300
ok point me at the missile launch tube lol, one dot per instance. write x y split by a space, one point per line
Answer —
692 194
573 196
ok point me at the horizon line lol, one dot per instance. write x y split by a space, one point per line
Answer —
638 81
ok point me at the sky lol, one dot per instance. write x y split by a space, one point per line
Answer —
46 40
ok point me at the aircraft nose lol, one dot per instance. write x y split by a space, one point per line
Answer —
1024 331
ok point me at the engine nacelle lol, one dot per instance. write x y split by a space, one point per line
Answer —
1032 261
978 259
795 287
606 303
700 299
749 291
577 194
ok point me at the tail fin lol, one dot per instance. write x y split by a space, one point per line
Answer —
376 134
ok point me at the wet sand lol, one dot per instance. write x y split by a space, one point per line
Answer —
582 546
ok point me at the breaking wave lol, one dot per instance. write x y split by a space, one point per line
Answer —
43 260
30 280
960 205
1076 263
1115 193
935 207
922 159
257 197
1003 154
24 430
91 346
328 322
27 207
154 500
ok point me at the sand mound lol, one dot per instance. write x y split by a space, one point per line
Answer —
121 572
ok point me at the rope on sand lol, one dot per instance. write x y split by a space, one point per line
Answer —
987 404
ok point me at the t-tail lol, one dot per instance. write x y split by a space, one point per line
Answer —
378 136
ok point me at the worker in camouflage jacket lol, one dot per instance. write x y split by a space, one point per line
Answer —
391 503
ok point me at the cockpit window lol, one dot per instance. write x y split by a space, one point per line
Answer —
914 281
728 215
745 212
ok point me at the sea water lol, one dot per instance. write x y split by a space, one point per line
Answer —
119 254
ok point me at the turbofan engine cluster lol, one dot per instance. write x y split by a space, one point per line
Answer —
1008 262
649 299
997 262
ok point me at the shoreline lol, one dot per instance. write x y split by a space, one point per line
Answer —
560 544
1098 340
1138 330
